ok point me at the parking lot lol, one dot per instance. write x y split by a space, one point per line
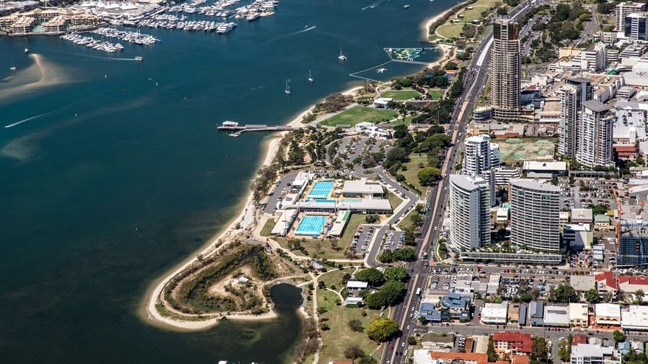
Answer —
362 238
393 240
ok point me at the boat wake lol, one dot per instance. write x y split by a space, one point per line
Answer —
373 5
24 121
305 30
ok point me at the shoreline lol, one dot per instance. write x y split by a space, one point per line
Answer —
148 311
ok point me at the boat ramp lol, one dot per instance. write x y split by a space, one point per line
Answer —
236 129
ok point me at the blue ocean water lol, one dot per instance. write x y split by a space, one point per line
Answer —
112 172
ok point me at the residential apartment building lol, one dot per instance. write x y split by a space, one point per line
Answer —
625 9
469 212
477 155
505 70
590 354
535 215
512 343
595 135
572 95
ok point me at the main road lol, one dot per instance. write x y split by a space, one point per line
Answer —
474 83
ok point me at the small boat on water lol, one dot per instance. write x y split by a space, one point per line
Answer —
342 57
310 77
252 17
406 6
13 68
26 50
287 90
138 58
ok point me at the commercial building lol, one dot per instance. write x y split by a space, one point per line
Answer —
608 314
595 135
505 70
469 212
456 304
535 213
362 188
494 313
606 283
636 26
512 343
536 313
631 284
635 318
546 168
556 316
422 356
578 315
633 243
594 58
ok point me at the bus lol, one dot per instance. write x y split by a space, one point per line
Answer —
418 291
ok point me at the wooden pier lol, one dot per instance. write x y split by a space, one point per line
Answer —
236 129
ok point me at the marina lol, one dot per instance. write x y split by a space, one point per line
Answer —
130 37
90 42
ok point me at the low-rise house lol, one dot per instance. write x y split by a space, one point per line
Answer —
455 304
429 311
536 313
508 343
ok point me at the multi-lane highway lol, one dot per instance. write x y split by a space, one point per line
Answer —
474 82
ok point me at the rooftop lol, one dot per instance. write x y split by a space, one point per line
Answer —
607 310
517 337
595 105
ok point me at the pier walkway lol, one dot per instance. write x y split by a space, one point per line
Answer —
236 129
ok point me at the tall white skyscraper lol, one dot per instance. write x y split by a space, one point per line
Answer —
535 214
469 212
505 70
595 135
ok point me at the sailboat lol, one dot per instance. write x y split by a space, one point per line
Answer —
342 57
310 77
287 90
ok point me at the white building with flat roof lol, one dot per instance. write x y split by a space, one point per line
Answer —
494 313
635 318
362 188
556 315
607 314
555 167
590 353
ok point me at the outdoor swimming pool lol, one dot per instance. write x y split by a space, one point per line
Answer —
311 225
321 189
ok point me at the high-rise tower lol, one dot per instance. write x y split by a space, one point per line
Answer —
505 70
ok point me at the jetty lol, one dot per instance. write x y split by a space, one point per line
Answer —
236 129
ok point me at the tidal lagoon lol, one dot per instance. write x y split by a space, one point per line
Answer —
112 171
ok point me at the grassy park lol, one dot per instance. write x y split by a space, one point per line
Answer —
400 95
339 335
359 114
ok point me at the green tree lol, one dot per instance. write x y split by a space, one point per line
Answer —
382 329
592 296
355 325
635 357
428 175
389 294
490 351
565 293
640 295
539 350
367 359
451 66
353 352
396 274
411 340
619 336
371 275
565 348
